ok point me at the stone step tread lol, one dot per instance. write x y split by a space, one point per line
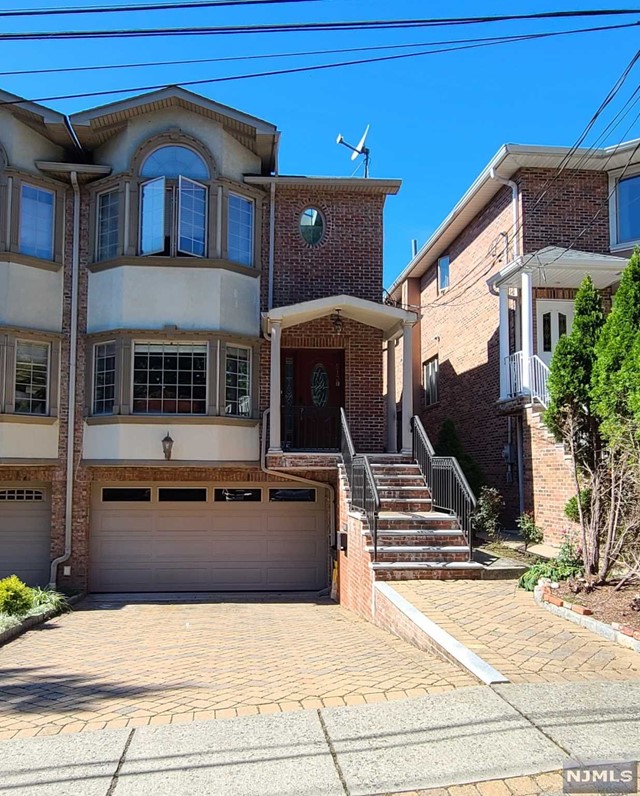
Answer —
414 516
399 464
419 548
409 486
418 532
405 500
404 565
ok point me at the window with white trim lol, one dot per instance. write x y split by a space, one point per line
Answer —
430 381
108 209
37 215
169 378
238 381
32 377
628 209
240 229
104 378
173 203
443 274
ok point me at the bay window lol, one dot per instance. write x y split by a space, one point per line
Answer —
104 378
173 203
240 230
238 381
31 378
169 378
37 207
107 225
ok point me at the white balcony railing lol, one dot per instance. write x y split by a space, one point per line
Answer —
537 372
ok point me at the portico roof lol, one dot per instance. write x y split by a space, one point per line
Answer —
389 319
556 267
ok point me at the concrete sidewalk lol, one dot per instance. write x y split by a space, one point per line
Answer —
467 735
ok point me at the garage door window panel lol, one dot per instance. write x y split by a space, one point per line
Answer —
21 495
182 495
238 495
126 495
292 495
169 378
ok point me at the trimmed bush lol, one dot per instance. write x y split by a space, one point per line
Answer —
16 598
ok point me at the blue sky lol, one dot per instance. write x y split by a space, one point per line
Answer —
435 121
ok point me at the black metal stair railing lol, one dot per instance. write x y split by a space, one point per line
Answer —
362 484
450 490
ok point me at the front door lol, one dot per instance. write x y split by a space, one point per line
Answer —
312 394
553 318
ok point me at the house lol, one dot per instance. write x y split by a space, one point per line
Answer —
495 285
189 339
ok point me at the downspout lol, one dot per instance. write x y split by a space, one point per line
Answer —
299 479
71 413
272 243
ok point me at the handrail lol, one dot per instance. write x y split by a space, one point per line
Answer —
364 493
539 377
450 490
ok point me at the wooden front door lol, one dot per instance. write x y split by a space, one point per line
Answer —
312 394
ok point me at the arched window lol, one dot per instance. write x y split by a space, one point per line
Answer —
173 203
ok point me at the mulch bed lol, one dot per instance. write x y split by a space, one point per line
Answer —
606 604
504 551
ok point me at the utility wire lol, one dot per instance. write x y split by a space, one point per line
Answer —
358 25
301 53
311 68
41 12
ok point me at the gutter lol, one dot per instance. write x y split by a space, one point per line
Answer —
71 414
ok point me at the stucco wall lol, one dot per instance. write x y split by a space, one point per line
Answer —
30 297
146 297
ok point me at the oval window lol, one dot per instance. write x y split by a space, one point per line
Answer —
311 226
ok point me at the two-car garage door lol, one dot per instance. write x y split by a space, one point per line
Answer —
234 537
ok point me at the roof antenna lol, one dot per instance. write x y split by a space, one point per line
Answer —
361 149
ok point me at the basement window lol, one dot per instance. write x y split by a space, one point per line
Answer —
238 495
126 494
182 495
292 495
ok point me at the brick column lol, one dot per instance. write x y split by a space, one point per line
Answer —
275 444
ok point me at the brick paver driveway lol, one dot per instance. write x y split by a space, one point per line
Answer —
130 664
528 644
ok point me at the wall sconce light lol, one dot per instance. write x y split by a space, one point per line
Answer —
338 323
167 446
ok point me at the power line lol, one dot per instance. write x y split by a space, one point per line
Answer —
40 12
301 53
359 25
311 68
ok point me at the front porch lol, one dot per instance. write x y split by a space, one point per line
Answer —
536 295
326 355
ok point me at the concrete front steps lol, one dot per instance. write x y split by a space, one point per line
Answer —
414 540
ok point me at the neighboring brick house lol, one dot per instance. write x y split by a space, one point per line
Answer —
162 286
495 285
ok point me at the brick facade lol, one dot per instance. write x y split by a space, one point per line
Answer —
461 328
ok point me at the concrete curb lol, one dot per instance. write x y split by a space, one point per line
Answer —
443 641
587 622
32 621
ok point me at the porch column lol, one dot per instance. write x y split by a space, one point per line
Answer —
275 444
407 387
527 330
391 397
504 342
